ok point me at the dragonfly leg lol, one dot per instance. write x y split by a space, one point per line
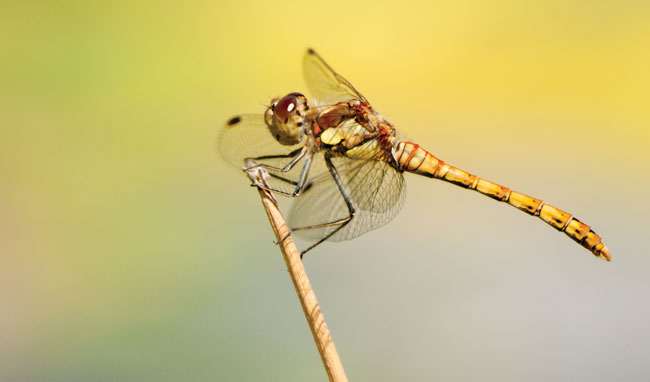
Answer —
283 238
299 185
297 155
283 179
339 222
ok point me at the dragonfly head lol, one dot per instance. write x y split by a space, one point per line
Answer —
285 118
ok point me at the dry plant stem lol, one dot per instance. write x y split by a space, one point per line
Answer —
306 295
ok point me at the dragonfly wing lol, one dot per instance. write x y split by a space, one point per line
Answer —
376 189
247 136
326 86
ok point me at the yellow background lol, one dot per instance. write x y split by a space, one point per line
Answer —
129 252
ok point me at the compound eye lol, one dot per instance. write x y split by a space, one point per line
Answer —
286 105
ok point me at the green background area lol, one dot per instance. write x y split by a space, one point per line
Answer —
129 252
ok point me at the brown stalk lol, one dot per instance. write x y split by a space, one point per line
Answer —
306 295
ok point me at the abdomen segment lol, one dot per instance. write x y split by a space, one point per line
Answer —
412 158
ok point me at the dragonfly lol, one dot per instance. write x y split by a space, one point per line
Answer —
343 163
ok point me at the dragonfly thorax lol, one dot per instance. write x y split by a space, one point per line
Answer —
285 118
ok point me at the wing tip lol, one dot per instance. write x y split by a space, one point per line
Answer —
233 121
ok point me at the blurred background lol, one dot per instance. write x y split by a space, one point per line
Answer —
129 251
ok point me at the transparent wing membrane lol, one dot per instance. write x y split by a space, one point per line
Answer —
247 136
326 86
376 190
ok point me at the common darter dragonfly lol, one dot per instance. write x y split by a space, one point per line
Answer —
343 162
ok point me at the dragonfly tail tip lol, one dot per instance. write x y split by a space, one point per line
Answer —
604 254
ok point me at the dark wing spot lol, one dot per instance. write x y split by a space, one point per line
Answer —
233 121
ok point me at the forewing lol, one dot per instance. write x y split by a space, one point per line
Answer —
326 86
376 189
247 136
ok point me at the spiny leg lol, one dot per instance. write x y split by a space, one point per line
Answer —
299 185
283 179
296 156
339 222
